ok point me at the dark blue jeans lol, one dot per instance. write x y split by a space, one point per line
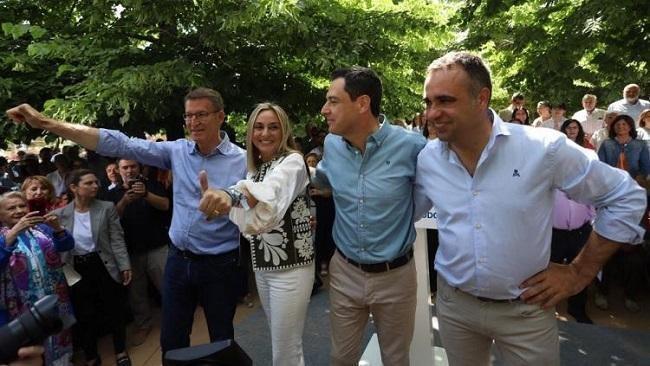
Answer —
206 280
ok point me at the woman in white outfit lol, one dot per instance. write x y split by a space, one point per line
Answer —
274 217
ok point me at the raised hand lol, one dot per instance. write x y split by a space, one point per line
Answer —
25 113
214 202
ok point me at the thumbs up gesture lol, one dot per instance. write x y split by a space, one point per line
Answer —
214 202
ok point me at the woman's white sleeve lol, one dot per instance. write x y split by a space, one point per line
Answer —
274 194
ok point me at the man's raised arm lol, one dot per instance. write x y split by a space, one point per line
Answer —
86 136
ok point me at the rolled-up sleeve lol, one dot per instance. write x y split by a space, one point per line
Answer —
619 201
116 144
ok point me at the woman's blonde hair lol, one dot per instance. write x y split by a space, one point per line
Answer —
287 144
43 181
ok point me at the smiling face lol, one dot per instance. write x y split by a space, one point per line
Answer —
267 134
203 122
12 210
36 190
111 172
450 104
340 111
621 128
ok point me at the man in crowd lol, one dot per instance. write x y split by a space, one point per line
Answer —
631 104
493 185
202 263
516 102
369 164
142 204
544 118
558 114
589 116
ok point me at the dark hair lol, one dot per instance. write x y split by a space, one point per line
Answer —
628 120
361 81
75 176
580 139
473 65
560 106
517 96
206 93
514 112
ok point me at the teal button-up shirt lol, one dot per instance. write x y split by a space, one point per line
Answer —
373 192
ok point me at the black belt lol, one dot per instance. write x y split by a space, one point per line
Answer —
193 256
496 301
79 259
380 267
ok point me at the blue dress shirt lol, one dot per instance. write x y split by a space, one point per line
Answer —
495 227
373 192
226 165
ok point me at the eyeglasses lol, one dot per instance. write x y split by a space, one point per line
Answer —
199 116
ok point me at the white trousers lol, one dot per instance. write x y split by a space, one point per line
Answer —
284 296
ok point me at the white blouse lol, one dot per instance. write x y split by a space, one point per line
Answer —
286 180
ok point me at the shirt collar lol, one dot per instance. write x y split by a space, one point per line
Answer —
223 147
378 136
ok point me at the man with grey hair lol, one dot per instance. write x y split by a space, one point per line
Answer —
590 117
602 134
631 104
201 267
495 282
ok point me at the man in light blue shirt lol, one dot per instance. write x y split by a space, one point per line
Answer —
493 185
369 165
201 266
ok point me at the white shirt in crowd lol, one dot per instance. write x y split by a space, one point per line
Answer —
633 110
547 123
591 121
82 234
58 182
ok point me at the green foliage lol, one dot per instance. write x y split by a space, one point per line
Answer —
127 64
561 49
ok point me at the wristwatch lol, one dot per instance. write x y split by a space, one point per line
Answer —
237 198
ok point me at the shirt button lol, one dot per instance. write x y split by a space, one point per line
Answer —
478 226
360 201
361 225
475 193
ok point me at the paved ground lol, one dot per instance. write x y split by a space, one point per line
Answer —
618 330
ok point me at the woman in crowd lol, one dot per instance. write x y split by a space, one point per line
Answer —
277 226
100 257
520 116
40 194
624 151
644 125
573 129
571 228
32 268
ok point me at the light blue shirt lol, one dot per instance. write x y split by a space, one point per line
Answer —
373 192
495 227
226 165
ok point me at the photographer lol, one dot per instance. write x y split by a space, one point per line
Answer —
32 268
141 204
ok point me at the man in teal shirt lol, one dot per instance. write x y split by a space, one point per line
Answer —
370 166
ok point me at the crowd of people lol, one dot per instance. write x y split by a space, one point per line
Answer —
526 218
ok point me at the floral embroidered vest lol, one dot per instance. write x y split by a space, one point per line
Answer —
288 245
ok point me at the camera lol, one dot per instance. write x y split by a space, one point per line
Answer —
137 179
31 328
